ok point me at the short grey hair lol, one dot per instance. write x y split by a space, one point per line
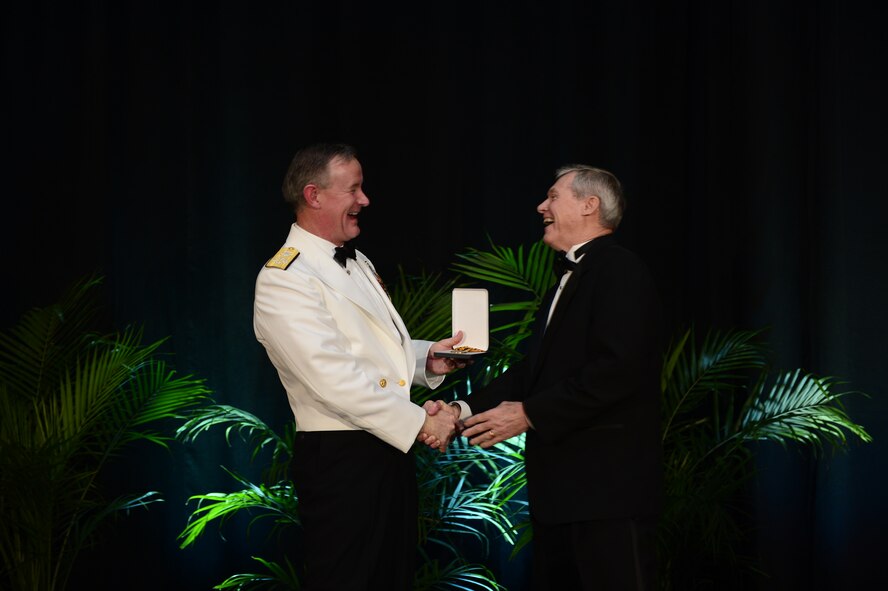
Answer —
311 165
601 183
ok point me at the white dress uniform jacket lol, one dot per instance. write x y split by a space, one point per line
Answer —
340 348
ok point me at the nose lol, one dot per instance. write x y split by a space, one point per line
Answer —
542 207
363 200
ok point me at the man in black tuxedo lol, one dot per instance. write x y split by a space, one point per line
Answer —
588 396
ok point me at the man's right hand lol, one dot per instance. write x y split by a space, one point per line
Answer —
439 428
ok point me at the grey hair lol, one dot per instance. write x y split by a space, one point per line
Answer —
601 183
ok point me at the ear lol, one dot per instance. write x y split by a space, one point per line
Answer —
591 205
310 194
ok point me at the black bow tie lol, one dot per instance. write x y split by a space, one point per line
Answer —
343 253
562 264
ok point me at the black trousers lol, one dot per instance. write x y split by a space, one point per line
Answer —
358 507
607 555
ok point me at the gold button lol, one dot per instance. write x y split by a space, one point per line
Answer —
402 383
382 383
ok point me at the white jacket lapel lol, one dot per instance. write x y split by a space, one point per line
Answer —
389 310
322 264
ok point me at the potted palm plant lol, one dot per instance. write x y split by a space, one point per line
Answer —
720 395
71 399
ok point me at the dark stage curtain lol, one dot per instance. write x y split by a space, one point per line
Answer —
148 142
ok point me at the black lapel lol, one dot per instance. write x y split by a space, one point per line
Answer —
570 288
539 327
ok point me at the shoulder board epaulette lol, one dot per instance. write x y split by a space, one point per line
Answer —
283 258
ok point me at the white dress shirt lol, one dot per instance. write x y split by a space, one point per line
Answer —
569 256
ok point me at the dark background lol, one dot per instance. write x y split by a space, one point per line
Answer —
148 142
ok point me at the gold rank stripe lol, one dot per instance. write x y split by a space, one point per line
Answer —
283 258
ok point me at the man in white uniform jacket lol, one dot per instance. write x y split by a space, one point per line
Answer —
347 363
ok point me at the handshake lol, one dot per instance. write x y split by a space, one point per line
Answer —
441 425
485 429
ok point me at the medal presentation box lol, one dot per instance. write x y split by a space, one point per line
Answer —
469 313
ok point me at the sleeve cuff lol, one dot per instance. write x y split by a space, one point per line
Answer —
464 410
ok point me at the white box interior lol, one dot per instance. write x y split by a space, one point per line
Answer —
469 313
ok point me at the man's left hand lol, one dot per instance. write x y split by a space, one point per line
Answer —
443 365
497 424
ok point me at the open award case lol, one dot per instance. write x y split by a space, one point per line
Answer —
468 313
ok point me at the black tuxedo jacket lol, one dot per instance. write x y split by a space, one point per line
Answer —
591 388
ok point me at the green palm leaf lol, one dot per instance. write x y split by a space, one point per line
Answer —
236 421
277 577
35 352
504 267
457 496
250 429
423 301
89 522
802 408
691 375
276 502
456 575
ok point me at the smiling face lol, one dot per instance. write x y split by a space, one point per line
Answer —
567 220
338 203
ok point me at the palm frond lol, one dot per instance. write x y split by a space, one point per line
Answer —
524 536
245 424
502 266
722 360
423 302
87 522
91 392
458 499
250 429
510 481
156 393
802 408
671 357
276 502
277 577
35 352
457 575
